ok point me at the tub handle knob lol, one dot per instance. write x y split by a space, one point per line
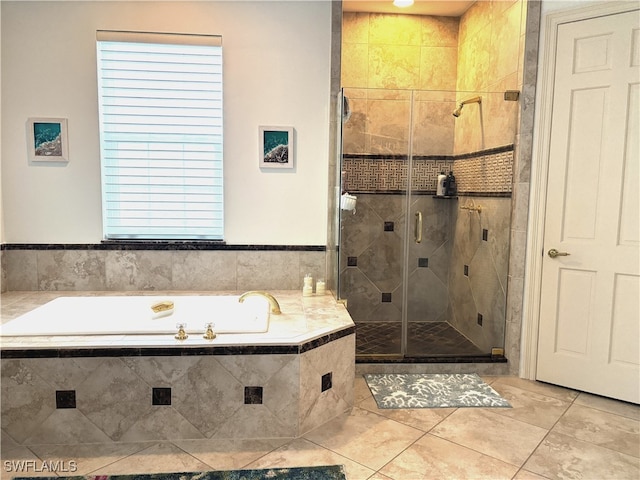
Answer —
181 335
209 334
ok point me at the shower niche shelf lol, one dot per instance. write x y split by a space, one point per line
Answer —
446 197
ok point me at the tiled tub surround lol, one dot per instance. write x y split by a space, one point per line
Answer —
125 388
158 266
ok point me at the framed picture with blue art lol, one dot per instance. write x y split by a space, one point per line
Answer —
47 139
276 147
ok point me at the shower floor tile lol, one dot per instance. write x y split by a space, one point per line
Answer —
424 339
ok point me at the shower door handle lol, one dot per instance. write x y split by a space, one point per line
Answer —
418 234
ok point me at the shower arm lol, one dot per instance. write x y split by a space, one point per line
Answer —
471 100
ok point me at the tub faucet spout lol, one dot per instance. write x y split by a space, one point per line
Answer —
275 306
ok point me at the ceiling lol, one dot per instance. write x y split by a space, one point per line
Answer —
450 8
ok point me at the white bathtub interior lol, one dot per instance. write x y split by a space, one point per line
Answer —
131 315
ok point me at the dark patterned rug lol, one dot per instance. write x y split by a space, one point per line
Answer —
406 390
330 472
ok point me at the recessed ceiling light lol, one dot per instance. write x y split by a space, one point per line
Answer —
403 3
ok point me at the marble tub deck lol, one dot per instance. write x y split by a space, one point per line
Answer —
303 319
121 388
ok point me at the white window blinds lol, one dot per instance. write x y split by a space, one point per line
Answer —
160 101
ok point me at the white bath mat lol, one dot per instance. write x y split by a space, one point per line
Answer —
407 390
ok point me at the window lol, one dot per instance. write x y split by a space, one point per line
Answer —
160 102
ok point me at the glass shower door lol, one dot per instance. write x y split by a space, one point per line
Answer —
375 169
425 275
431 243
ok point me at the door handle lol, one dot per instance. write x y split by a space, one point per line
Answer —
418 234
553 253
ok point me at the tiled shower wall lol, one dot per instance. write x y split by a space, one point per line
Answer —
384 57
94 267
458 273
372 259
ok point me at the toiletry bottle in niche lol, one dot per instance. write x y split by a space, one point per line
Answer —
440 188
451 188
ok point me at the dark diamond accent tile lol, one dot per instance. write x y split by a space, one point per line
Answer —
485 234
388 226
386 297
480 319
161 396
352 261
327 381
253 395
423 262
65 399
466 270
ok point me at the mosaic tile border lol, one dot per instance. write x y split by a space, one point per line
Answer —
487 172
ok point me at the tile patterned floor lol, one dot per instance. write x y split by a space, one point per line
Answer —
424 338
550 433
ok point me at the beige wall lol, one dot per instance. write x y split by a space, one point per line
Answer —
277 58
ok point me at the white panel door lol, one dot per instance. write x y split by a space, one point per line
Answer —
589 332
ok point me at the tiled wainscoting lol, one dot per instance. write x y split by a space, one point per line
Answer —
169 267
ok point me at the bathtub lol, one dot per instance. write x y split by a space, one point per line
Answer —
133 315
93 379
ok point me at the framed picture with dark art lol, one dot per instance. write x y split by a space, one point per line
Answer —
47 139
276 147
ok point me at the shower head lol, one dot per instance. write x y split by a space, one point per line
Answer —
458 111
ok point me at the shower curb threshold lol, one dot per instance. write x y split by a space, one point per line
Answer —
363 359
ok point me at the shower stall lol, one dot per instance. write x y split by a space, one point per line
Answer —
424 276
